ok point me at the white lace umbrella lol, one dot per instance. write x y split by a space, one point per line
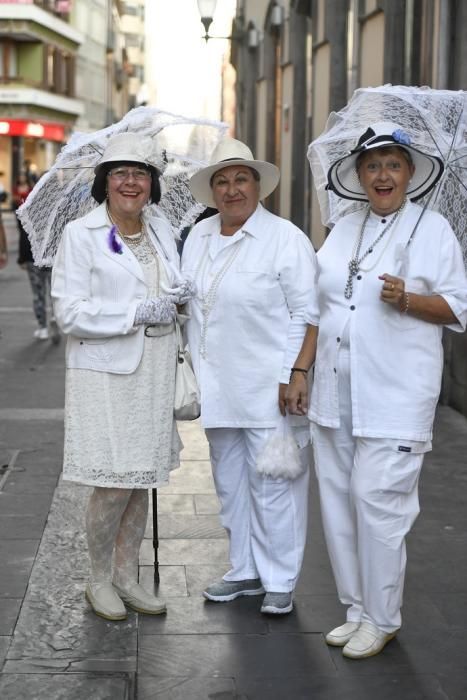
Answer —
181 146
436 121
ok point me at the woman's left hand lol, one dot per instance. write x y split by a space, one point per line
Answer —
185 291
393 290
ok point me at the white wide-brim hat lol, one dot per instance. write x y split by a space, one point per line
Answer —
127 147
232 152
343 177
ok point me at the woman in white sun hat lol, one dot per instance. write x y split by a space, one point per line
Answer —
255 275
115 287
390 277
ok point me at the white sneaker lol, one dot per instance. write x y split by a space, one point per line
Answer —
41 334
368 640
339 636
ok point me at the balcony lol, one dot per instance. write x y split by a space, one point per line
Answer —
30 21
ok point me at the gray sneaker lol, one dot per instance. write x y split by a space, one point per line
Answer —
277 603
224 591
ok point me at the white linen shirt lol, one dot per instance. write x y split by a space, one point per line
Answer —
256 324
396 359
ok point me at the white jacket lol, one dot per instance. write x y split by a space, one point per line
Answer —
256 324
96 292
396 359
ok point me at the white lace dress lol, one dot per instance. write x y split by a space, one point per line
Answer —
119 428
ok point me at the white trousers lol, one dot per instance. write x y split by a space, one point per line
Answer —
266 519
369 501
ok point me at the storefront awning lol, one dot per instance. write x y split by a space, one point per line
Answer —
33 129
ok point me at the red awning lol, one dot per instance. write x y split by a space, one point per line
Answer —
33 129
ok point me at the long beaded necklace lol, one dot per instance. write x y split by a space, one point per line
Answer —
357 259
208 299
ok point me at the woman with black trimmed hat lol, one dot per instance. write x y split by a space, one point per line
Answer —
390 277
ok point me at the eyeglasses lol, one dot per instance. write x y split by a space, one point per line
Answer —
124 173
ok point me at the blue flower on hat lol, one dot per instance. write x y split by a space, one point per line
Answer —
401 137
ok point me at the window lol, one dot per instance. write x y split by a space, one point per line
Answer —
8 60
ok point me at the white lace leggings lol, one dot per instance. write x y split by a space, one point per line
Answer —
116 519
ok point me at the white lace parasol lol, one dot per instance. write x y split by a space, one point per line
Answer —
436 121
181 146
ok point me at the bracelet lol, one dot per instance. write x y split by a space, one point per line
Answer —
405 309
298 369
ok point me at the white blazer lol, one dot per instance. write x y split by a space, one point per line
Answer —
96 291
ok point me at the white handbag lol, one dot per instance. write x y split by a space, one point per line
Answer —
186 404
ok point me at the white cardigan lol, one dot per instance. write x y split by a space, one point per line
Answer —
96 291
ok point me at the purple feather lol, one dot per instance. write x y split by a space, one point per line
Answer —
114 244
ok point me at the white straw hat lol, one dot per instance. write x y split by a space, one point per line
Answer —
343 177
232 152
127 147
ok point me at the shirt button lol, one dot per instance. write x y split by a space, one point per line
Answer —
352 308
335 370
338 340
383 221
359 277
81 342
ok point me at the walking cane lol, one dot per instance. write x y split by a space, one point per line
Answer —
155 537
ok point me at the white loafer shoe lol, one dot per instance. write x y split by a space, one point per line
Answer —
368 640
136 598
339 636
105 602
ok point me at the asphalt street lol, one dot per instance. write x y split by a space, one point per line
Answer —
53 647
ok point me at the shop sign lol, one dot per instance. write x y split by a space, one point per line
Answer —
30 129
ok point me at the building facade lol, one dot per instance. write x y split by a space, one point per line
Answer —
298 60
64 65
38 103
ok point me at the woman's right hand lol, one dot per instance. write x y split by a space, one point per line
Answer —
296 395
156 310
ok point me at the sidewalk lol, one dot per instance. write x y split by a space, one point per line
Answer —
52 647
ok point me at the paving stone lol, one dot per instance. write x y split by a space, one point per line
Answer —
186 688
201 617
206 504
319 687
69 686
22 527
9 609
199 576
19 504
192 477
20 482
172 581
4 644
178 526
169 503
255 656
17 557
186 552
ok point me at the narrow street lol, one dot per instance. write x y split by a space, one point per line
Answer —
53 647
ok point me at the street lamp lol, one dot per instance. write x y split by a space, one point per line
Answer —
207 9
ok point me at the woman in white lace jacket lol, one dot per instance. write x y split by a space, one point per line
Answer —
114 296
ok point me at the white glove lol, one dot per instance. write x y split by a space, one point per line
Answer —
183 293
157 310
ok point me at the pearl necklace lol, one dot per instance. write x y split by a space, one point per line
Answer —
131 239
357 259
208 299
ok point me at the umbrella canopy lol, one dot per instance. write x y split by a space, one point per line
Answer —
435 120
180 145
